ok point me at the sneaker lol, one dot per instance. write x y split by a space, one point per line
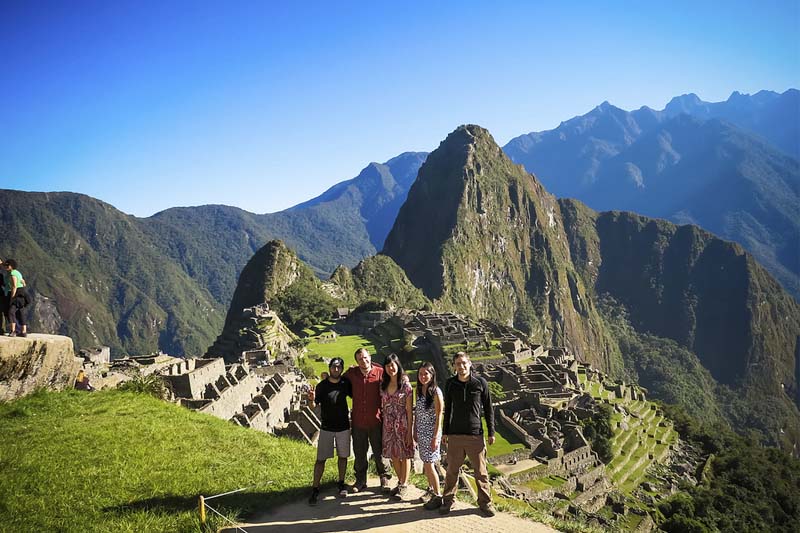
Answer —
488 510
385 484
342 490
445 507
400 492
434 503
359 486
314 498
23 334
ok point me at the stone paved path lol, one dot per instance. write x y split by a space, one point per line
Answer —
372 511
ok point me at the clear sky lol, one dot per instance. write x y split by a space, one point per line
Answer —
154 104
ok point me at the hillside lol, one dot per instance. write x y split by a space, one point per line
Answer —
99 278
480 236
113 461
742 154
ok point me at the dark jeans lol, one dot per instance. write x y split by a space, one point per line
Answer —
5 321
362 439
16 312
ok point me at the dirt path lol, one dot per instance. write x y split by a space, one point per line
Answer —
370 510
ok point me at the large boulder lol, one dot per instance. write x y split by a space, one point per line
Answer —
34 362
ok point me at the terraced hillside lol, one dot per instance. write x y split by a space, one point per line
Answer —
642 436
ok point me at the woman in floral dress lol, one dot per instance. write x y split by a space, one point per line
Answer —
398 421
428 429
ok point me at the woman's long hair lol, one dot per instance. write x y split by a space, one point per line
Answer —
401 374
431 384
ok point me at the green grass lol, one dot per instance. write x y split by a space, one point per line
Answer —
504 441
116 461
544 483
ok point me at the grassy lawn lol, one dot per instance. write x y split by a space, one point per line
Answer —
114 461
544 483
504 442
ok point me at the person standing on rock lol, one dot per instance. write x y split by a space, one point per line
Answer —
365 379
466 399
17 299
331 395
397 398
428 429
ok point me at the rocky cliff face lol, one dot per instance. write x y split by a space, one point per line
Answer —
481 236
36 361
683 283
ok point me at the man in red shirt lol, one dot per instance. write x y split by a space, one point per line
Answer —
366 418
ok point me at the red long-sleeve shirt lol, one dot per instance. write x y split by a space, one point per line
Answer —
366 396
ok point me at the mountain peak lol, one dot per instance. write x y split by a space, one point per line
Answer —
684 103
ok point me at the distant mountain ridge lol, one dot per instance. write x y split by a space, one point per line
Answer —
715 167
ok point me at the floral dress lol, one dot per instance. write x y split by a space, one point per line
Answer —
425 422
395 423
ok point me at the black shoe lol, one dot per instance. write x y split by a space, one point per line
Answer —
488 510
359 486
434 503
342 490
445 508
314 497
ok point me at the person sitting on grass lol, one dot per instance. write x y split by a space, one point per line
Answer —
331 395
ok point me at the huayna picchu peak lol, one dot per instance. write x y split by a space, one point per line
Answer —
481 236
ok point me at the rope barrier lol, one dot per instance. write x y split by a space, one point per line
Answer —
203 505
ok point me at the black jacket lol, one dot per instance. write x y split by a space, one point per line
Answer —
464 403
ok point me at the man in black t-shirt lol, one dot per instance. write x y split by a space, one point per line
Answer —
331 395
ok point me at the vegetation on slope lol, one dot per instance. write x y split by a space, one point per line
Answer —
674 375
745 488
117 461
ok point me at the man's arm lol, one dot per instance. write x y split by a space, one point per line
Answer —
448 407
488 411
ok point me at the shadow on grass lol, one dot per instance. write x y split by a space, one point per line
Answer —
241 504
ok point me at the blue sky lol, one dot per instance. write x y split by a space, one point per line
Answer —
149 105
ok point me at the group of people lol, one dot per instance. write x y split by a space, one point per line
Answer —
386 418
14 299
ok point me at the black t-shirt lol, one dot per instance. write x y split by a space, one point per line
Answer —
333 398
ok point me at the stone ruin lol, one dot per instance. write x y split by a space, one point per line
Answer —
271 402
257 332
543 408
442 329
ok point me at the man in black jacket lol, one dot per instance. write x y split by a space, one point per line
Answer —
466 398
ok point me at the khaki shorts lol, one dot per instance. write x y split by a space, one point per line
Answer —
326 440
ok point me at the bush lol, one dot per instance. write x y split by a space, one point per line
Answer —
151 384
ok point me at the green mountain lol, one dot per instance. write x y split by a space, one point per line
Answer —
378 278
693 299
481 236
98 277
163 282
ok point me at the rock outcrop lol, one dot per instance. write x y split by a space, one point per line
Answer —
34 362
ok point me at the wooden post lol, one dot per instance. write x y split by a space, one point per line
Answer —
202 505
